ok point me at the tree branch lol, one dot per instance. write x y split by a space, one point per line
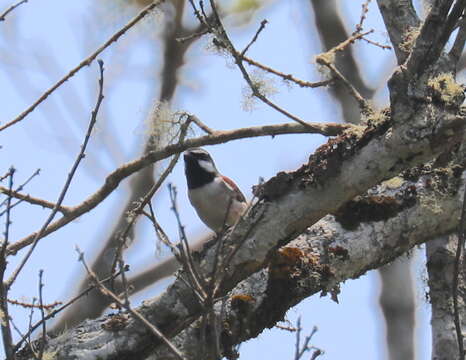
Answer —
399 17
290 202
325 255
38 235
11 8
318 260
33 200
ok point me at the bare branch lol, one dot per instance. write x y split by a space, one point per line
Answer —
4 313
201 125
71 174
32 200
11 8
330 26
287 77
254 38
21 187
86 62
363 103
42 316
153 329
147 198
53 313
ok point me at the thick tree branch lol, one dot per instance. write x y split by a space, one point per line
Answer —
400 18
289 203
318 260
327 254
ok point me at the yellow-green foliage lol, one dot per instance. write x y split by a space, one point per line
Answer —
446 87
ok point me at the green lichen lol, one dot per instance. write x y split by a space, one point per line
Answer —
446 88
409 38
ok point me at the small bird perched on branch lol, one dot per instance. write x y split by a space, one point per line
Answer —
215 197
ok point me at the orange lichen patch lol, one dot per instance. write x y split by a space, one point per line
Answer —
289 262
242 302
115 322
285 262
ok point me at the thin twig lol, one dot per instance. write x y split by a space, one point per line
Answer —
105 291
61 197
363 103
117 176
196 280
227 259
300 350
31 200
198 14
11 8
256 35
28 335
21 187
47 307
5 323
124 282
375 43
61 308
86 62
224 40
192 36
201 125
42 316
141 204
362 18
297 347
288 77
161 235
456 271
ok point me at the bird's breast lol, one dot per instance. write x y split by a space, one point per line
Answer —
212 201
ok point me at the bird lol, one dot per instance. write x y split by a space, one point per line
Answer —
218 201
